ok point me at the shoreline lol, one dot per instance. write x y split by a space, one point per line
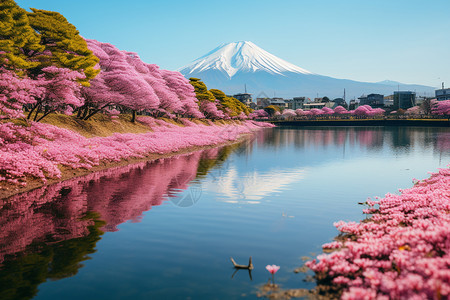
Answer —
8 190
445 123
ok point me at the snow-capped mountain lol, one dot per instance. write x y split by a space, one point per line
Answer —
242 57
231 66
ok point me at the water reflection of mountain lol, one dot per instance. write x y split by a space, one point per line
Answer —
48 232
295 150
251 187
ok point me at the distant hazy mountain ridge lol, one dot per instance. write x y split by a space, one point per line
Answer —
231 66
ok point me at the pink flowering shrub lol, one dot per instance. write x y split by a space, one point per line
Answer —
340 110
289 113
315 112
38 151
441 107
414 111
367 110
401 252
258 114
327 111
210 110
299 112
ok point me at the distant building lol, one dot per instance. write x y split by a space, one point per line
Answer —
353 104
374 100
244 98
311 105
389 101
262 102
296 102
404 99
278 102
442 94
420 100
339 102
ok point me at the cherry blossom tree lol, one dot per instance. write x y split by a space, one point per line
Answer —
289 113
327 111
126 81
367 110
260 113
413 111
315 112
299 112
60 92
185 91
169 101
119 82
361 110
441 107
340 110
211 111
376 112
15 92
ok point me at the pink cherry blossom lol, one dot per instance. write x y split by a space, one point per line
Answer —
272 268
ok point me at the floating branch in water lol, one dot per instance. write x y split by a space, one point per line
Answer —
237 266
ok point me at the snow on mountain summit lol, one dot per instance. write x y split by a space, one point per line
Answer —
242 56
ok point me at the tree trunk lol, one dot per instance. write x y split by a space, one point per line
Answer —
94 111
133 117
38 110
85 112
32 109
46 113
80 111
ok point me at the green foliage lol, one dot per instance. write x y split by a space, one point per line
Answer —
18 40
31 41
201 91
63 44
234 106
271 109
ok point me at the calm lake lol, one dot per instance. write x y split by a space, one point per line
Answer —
167 229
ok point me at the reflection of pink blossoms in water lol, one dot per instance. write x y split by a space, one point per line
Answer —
117 195
401 252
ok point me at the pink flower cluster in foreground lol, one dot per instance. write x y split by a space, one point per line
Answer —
272 268
401 252
39 150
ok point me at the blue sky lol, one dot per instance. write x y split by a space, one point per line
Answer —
363 40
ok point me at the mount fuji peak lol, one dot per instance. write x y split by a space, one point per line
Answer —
232 66
243 56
